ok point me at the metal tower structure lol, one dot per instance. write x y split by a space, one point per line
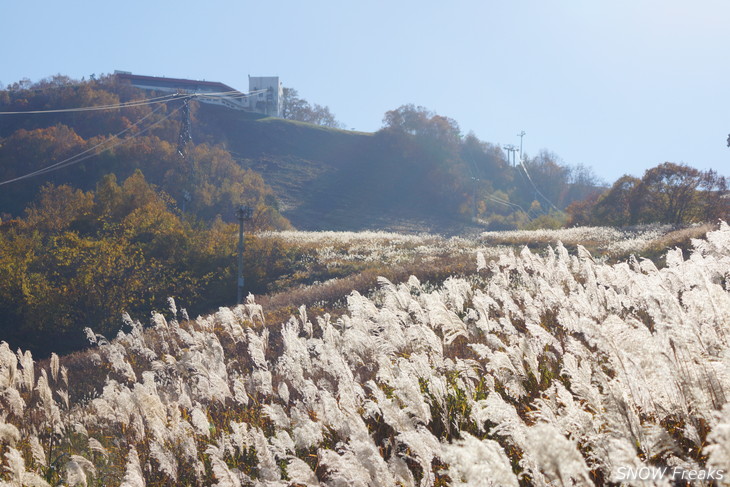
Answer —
183 139
511 149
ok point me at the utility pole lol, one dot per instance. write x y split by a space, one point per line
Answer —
521 135
476 181
243 213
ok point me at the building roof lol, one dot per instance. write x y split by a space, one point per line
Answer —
176 83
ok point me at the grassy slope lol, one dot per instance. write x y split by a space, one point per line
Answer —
325 178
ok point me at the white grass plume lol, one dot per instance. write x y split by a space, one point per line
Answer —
15 469
478 463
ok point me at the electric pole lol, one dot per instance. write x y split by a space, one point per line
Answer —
521 135
476 181
243 213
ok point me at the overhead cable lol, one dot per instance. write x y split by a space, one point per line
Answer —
524 168
134 103
82 156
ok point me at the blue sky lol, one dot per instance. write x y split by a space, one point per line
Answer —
619 85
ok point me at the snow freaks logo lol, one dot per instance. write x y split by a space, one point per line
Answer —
671 473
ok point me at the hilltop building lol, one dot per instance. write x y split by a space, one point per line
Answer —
265 93
268 94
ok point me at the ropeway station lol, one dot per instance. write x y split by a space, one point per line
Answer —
265 93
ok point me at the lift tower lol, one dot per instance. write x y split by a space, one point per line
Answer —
183 139
511 149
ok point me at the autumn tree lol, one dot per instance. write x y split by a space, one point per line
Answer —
546 179
293 107
668 193
80 259
218 184
83 258
62 92
487 162
433 138
580 212
715 197
616 206
57 208
583 183
427 148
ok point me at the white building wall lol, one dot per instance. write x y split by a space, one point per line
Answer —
268 102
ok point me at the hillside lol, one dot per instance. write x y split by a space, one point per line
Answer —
329 179
418 173
106 211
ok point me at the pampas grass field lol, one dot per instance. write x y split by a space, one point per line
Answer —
557 365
